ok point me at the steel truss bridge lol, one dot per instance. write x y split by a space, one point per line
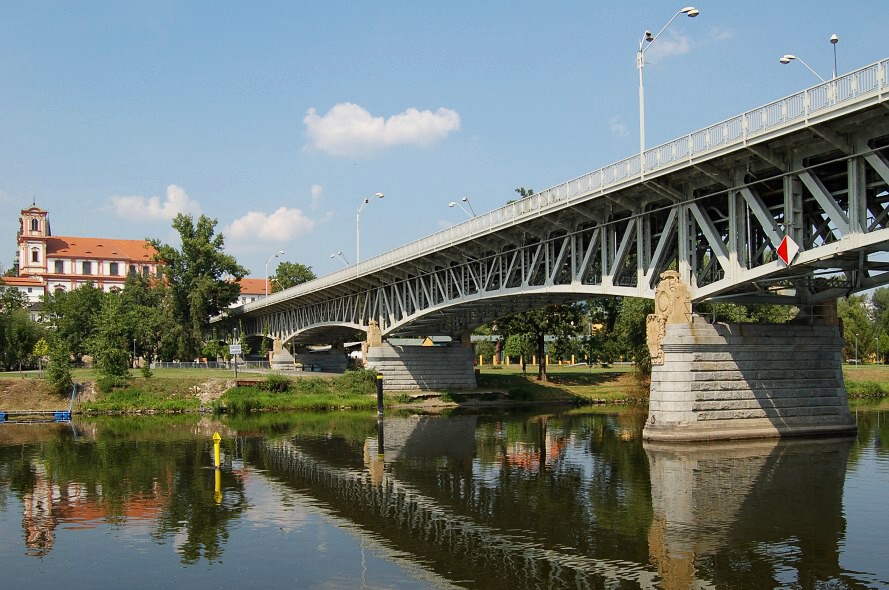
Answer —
714 205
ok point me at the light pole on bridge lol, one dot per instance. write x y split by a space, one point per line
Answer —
464 200
787 58
273 256
644 44
364 204
341 256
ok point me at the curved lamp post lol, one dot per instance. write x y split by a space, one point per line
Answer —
341 256
787 58
464 200
644 44
273 256
364 204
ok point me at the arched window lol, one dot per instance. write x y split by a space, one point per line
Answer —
35 225
35 255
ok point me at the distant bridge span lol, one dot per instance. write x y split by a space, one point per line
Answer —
714 205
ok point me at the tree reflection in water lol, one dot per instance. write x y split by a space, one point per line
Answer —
123 471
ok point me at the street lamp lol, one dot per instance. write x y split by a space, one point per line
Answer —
465 200
341 256
833 41
273 256
364 204
786 59
645 43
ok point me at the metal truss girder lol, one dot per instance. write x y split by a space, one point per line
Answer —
826 200
791 182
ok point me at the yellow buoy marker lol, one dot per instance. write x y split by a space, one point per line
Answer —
216 440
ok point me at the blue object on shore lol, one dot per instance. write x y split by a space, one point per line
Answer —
62 416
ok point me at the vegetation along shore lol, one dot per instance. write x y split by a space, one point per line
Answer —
210 390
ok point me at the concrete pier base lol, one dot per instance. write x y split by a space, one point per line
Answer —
436 368
733 381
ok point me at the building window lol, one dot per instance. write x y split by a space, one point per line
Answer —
30 289
132 269
60 267
87 268
145 271
34 225
112 269
35 255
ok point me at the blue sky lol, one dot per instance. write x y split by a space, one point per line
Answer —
279 118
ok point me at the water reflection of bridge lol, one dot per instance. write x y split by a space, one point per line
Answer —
706 502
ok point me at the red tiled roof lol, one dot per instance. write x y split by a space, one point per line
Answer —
252 286
109 249
21 282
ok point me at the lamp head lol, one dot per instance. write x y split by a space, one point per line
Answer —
834 39
465 199
648 36
787 59
452 204
379 195
690 11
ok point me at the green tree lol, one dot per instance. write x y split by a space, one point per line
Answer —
110 344
519 345
857 325
629 334
73 316
561 321
58 368
18 338
144 303
290 274
202 278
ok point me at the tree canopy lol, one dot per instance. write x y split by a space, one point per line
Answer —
201 277
290 274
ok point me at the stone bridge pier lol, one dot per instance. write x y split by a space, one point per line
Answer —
409 368
735 381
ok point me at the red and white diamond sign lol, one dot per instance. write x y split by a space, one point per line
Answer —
787 250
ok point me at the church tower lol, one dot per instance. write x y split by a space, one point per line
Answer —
33 232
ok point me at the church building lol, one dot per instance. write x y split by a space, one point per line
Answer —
67 262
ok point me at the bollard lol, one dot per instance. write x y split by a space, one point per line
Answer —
379 394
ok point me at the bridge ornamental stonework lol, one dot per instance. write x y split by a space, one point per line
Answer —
724 381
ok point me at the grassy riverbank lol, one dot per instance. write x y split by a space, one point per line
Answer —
195 390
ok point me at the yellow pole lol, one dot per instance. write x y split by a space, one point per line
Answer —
217 492
216 439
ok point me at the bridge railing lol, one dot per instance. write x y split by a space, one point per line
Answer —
835 93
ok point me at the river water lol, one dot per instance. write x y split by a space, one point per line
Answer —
539 498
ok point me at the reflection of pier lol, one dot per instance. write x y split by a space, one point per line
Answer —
455 545
784 499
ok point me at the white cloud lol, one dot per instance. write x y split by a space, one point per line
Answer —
617 127
317 193
283 225
668 45
720 34
349 130
151 208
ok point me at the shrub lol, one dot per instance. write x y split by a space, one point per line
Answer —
277 383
